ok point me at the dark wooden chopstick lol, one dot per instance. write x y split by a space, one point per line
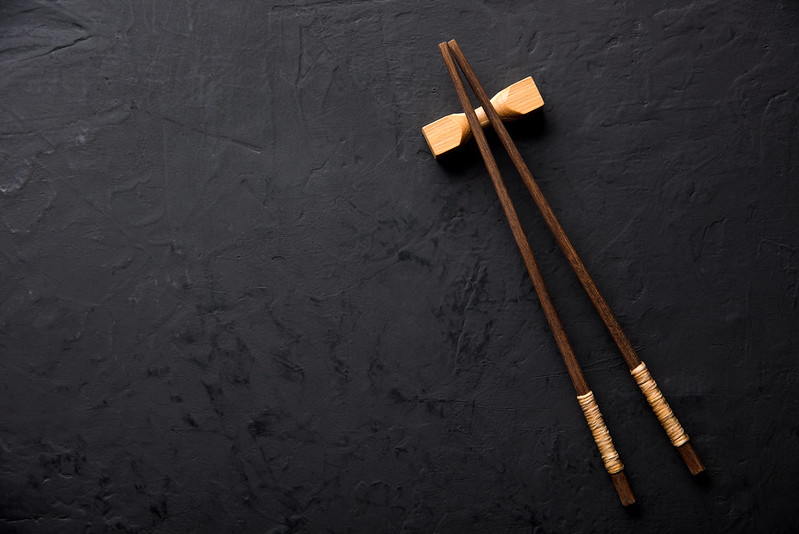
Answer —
585 397
638 369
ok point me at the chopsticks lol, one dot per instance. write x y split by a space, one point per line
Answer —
585 397
638 369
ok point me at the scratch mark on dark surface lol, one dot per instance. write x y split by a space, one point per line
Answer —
244 144
61 47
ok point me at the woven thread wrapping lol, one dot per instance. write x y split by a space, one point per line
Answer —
601 434
661 408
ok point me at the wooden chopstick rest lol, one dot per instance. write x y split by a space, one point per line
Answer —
511 103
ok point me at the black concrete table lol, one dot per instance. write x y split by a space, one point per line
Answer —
238 294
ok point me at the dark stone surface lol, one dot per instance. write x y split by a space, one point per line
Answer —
238 295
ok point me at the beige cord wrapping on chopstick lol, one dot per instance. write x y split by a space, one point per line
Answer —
661 408
601 434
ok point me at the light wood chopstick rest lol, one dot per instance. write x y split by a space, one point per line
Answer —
511 103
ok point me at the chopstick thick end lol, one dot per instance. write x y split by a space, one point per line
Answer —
690 458
623 488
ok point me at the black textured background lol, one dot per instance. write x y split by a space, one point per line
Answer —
238 294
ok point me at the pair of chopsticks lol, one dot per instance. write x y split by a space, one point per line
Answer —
610 457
